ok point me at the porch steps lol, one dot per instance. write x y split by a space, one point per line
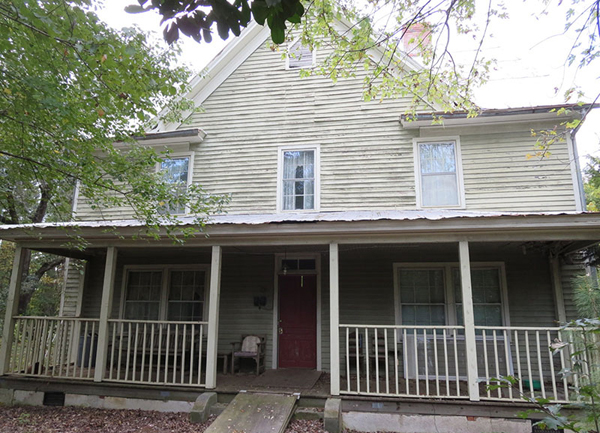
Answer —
255 412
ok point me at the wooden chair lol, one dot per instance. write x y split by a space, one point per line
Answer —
251 346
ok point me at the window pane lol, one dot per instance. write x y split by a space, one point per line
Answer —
175 171
186 295
424 289
437 158
298 179
439 190
142 297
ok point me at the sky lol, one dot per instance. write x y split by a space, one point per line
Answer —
530 49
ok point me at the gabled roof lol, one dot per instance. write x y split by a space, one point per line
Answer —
237 51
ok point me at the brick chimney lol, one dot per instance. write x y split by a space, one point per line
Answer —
416 38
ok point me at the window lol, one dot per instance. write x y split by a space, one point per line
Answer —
298 188
431 294
299 56
176 171
422 296
437 169
181 296
487 296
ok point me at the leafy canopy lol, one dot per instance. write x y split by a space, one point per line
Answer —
70 87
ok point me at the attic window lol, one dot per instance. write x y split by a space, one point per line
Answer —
299 56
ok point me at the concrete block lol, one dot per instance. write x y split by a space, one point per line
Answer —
30 398
388 422
201 410
332 417
308 413
7 396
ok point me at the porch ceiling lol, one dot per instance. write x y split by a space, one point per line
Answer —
577 229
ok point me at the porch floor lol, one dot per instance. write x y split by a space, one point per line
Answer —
228 383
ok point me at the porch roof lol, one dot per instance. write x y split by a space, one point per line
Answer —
578 229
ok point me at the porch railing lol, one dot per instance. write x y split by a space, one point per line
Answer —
404 361
430 361
60 347
529 358
156 352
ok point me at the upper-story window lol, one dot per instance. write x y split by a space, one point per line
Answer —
300 56
176 170
298 179
438 173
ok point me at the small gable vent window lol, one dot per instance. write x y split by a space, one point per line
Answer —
300 56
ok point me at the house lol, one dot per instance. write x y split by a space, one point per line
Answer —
411 261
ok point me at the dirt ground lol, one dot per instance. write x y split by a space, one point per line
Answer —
33 419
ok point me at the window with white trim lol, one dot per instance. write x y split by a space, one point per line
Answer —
176 170
432 294
298 179
166 293
299 56
437 167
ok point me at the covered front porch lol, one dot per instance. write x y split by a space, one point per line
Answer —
388 311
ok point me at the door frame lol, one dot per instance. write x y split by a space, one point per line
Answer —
277 272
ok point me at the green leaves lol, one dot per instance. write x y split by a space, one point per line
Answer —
71 87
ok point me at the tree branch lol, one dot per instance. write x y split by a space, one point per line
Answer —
45 267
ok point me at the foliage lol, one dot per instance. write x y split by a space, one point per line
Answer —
374 36
592 183
587 296
45 300
583 414
71 88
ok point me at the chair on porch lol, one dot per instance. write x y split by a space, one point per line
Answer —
251 346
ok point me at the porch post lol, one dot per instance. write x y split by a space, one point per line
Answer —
334 317
213 318
559 298
469 320
105 309
12 308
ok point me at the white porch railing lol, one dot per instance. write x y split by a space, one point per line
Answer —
60 347
430 361
403 361
156 352
527 355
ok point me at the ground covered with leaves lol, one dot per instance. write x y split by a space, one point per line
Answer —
32 419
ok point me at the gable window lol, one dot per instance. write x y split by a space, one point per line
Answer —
438 173
165 293
431 294
299 56
176 171
298 185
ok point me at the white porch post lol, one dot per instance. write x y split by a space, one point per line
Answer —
559 299
12 307
469 320
334 317
213 318
105 308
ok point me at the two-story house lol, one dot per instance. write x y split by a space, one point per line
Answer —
405 259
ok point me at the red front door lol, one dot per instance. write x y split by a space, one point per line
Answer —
297 321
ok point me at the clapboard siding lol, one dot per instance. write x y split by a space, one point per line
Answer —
498 176
73 283
367 159
243 277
